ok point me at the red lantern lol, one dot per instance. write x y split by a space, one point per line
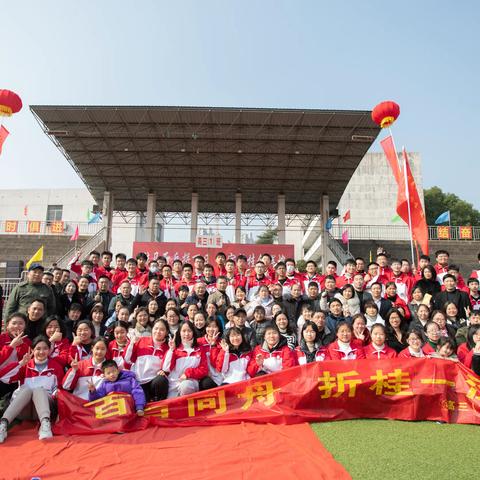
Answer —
10 103
385 113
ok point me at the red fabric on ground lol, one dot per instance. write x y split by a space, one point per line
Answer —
242 451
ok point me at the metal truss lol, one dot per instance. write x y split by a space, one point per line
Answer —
266 220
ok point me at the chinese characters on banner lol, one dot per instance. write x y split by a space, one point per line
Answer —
406 389
11 226
186 251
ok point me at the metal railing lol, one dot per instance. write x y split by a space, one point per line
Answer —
91 244
34 227
8 284
337 249
400 232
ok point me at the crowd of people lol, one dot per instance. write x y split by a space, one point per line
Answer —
158 331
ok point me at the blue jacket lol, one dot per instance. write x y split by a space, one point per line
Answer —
126 383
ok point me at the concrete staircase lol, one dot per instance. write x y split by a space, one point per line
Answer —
462 253
22 247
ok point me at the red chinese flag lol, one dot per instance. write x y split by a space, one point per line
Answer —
419 224
346 217
75 235
3 136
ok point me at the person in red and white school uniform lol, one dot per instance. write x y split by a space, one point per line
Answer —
310 350
81 347
404 282
234 280
187 278
104 268
219 267
147 357
257 280
311 275
373 276
118 343
38 377
378 349
134 277
330 270
349 271
476 273
14 344
186 362
293 277
441 267
210 343
234 356
382 261
54 329
168 282
119 273
345 347
274 355
84 372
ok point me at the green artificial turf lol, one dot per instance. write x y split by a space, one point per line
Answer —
388 449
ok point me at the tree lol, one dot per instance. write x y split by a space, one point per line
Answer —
268 236
461 212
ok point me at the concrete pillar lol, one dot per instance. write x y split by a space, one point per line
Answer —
194 213
238 217
107 218
325 213
281 218
151 211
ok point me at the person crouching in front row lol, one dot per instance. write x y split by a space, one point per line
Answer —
39 377
115 380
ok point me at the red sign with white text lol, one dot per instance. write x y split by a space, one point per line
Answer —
186 251
402 389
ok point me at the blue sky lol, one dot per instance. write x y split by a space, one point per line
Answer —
296 54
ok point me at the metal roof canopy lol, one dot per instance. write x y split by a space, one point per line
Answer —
214 151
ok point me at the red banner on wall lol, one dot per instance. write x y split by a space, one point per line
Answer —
406 389
186 251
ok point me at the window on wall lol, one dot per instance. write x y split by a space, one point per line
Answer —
54 213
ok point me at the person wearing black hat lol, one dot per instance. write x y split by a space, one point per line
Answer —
26 292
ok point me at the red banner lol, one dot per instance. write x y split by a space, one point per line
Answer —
187 251
406 389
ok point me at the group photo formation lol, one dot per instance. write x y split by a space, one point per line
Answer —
239 240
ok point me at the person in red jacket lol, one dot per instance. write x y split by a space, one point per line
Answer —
84 372
118 343
466 350
14 344
378 349
147 356
415 342
38 377
234 356
54 329
345 347
185 361
274 355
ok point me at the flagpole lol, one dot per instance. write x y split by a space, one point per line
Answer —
407 193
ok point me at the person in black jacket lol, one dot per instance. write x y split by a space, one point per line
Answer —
384 305
429 283
452 294
143 297
102 295
292 304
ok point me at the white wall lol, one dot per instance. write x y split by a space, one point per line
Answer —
75 201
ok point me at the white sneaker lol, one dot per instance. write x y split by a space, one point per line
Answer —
45 430
3 431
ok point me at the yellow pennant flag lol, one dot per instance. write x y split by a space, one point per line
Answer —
37 257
